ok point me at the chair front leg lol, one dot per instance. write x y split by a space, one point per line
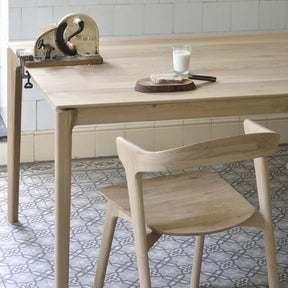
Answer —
106 242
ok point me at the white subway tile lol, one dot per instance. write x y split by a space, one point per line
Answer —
62 11
3 153
83 2
49 3
34 20
28 119
272 15
21 3
27 147
244 15
31 94
216 16
143 1
83 143
104 18
188 18
196 131
44 146
129 20
105 143
286 15
45 116
111 2
168 135
225 127
158 19
141 134
14 24
279 123
179 1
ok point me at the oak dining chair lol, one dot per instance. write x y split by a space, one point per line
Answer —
189 203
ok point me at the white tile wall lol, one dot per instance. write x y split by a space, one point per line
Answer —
62 11
33 20
45 116
27 147
3 153
154 12
196 131
51 2
244 16
168 135
105 18
223 128
216 16
15 23
28 120
85 2
128 20
136 18
188 18
31 94
83 143
146 17
286 15
105 139
3 57
272 15
141 134
21 3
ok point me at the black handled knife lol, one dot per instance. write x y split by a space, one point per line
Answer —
202 77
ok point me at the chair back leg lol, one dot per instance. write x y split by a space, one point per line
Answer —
263 187
197 261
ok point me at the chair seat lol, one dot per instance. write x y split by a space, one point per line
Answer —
205 203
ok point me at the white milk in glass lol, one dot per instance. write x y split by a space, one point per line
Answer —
181 59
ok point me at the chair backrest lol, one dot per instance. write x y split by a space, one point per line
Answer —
257 142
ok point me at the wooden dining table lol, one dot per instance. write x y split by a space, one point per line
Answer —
252 78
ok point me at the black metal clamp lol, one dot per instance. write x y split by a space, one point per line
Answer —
28 85
25 74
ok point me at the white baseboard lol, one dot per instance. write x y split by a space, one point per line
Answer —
100 140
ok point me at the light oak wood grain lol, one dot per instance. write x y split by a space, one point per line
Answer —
14 94
246 66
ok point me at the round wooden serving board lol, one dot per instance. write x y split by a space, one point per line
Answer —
146 85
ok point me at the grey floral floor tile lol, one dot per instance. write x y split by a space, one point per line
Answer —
234 258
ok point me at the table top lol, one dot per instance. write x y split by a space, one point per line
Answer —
246 65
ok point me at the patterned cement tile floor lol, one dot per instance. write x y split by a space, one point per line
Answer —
231 259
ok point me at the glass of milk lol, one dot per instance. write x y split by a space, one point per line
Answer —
181 59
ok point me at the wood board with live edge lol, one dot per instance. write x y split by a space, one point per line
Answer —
146 85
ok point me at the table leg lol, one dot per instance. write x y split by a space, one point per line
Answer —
63 154
14 94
